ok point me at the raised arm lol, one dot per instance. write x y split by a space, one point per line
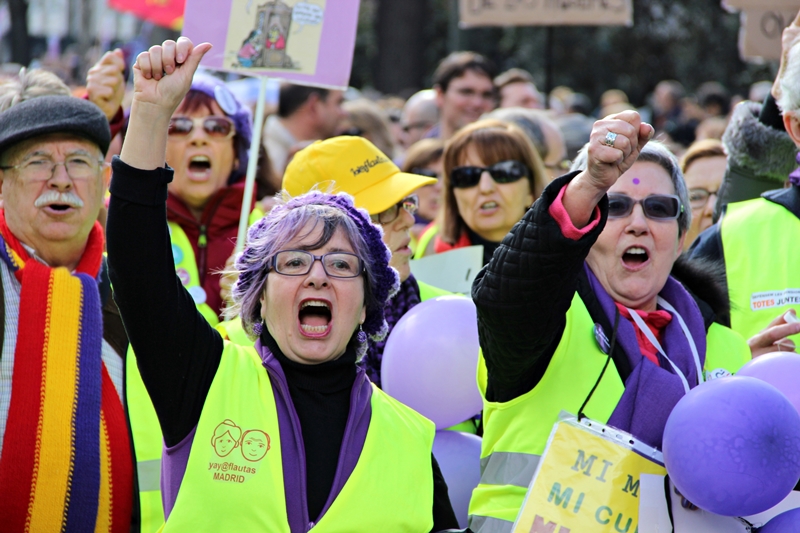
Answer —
524 292
177 351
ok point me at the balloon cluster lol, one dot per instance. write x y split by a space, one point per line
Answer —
429 363
732 445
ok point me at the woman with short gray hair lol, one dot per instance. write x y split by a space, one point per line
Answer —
582 280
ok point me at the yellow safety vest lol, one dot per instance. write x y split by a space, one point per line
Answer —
425 241
763 280
186 269
234 476
516 432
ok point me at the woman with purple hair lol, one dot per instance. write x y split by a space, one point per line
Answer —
313 282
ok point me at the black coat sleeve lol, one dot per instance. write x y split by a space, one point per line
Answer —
177 351
523 295
443 515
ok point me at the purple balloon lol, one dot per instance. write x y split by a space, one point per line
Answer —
431 359
786 522
732 446
459 458
779 369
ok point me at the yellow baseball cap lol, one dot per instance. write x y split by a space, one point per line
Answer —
355 166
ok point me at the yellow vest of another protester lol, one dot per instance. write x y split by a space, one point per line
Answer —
760 263
425 241
234 477
516 432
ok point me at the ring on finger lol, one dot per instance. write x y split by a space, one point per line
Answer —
611 137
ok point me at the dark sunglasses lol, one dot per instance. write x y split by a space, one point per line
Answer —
215 126
502 172
424 172
655 206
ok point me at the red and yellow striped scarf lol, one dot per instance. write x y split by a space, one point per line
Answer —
66 463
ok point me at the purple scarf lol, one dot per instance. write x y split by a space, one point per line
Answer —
794 177
406 298
652 391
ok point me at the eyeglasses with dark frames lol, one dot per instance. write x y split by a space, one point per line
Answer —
502 172
410 204
335 264
655 206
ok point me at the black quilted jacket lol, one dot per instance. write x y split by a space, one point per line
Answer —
523 295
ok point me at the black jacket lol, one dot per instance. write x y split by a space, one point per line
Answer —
523 295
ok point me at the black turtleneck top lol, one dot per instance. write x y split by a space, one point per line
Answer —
183 351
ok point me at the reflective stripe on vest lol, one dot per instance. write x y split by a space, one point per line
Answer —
516 432
147 443
227 474
762 279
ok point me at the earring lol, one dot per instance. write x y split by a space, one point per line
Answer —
258 327
361 337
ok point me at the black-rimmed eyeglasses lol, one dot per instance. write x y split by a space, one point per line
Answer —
335 264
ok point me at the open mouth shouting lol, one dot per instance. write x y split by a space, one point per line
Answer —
488 208
635 257
58 203
199 167
315 318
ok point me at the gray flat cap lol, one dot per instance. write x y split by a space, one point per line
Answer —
54 114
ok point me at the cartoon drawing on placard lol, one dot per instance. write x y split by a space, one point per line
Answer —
280 35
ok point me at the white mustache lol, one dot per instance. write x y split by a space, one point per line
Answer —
54 197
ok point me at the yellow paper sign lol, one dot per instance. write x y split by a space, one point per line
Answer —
586 482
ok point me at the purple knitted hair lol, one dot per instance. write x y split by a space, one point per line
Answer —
233 109
284 223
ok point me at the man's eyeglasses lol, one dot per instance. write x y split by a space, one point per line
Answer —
410 204
698 198
502 172
335 264
424 172
655 206
78 167
218 127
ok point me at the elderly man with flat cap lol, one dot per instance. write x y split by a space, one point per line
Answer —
66 462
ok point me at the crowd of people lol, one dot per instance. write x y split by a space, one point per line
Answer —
176 384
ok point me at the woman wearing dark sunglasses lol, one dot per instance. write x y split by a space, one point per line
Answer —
578 310
492 174
208 143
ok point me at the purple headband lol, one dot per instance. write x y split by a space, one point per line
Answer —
384 281
233 109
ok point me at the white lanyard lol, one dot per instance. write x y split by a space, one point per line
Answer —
650 337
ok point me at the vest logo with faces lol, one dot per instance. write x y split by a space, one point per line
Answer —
235 453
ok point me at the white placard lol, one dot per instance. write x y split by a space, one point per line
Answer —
452 271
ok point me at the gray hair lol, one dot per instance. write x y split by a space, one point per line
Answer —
789 101
658 153
31 84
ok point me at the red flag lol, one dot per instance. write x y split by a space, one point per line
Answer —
168 13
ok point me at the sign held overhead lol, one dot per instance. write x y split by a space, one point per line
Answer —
474 13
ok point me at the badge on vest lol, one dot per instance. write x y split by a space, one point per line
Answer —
716 374
768 300
235 453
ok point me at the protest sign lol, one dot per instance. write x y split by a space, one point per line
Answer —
760 32
587 480
452 271
167 13
309 42
545 13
